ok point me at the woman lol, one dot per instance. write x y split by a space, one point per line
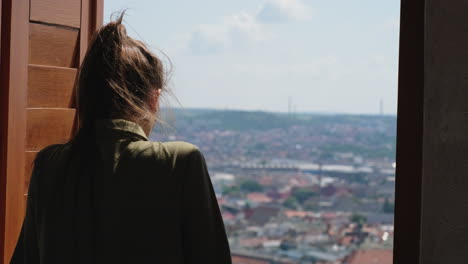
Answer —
110 195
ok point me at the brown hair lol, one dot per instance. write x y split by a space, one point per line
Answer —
118 76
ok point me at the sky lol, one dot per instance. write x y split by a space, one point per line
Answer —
325 56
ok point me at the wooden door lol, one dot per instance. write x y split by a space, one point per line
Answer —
42 45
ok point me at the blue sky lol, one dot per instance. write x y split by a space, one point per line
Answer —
327 55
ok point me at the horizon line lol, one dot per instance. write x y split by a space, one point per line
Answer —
280 112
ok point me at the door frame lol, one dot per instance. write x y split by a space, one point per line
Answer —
409 150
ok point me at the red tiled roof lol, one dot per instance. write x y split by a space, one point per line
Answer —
247 260
258 197
220 200
266 180
346 240
252 242
300 214
329 215
228 216
371 256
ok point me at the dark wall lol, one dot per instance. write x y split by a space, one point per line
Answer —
444 225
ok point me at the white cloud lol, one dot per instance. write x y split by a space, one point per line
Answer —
235 31
247 28
208 39
284 10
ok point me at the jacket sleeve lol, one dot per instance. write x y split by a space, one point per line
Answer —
204 237
27 250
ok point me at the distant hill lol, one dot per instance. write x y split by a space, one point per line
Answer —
258 120
301 136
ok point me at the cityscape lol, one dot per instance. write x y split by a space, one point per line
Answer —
299 188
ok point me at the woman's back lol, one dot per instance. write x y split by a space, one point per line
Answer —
137 202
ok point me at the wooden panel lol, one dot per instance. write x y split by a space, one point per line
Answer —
50 86
85 32
30 156
14 74
39 43
98 13
61 12
91 19
0 28
47 126
53 46
3 129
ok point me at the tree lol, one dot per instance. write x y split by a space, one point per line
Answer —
251 186
291 203
303 194
311 204
231 190
388 207
358 219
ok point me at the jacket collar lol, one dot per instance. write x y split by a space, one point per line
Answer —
121 125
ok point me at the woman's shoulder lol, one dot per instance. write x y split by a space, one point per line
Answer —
52 152
180 147
170 149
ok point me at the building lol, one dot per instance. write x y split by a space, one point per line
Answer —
371 256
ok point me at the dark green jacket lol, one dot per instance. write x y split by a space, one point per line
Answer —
137 202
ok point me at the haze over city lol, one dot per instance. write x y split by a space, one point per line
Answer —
331 56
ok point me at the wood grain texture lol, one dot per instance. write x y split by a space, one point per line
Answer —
85 32
4 85
98 14
60 12
53 46
50 87
14 66
47 126
0 27
29 164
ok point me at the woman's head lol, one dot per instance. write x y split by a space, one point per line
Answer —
119 78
